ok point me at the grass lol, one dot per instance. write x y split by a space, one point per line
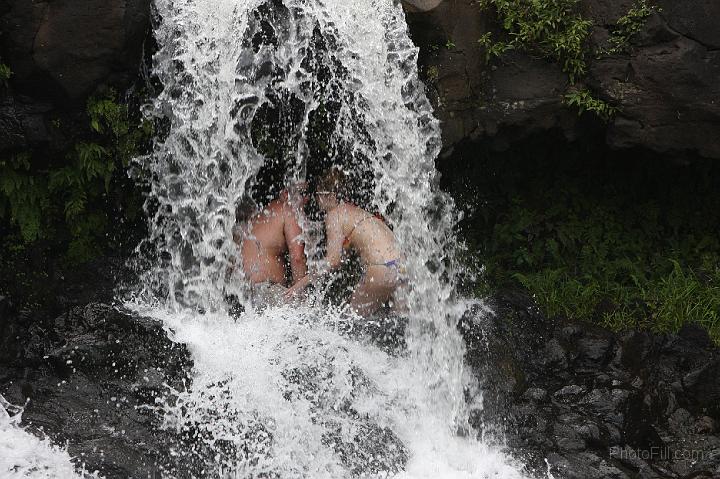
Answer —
623 241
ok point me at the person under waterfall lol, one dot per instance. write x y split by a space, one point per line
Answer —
265 237
349 226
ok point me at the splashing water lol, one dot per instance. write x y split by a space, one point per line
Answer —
303 391
23 455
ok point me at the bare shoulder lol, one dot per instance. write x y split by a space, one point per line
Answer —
275 208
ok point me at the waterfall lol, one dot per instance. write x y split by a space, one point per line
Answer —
257 94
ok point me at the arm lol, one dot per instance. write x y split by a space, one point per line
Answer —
333 256
334 239
295 245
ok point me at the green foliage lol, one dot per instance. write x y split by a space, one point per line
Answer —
493 48
5 73
551 28
614 242
554 29
23 195
44 200
584 101
109 118
627 27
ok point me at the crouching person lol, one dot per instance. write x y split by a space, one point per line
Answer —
265 237
349 226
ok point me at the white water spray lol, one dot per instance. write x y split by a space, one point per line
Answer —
24 455
291 392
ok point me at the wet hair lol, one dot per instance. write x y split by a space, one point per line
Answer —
245 209
336 181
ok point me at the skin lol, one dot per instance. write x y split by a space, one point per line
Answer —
374 242
272 233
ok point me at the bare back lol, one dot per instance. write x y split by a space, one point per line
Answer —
273 232
349 225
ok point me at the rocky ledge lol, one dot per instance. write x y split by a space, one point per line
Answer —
666 85
582 402
90 378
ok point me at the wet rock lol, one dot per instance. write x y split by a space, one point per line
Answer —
422 5
372 451
583 466
365 448
536 394
91 377
623 405
705 425
554 355
62 50
680 421
569 393
666 84
595 351
703 386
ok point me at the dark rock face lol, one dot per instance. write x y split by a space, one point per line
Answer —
67 48
91 377
666 85
596 404
60 52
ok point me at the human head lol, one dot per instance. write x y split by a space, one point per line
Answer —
245 209
331 188
297 193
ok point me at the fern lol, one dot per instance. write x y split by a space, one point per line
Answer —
584 101
73 196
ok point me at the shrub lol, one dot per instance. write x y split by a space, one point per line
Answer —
584 101
45 201
627 243
554 29
627 27
551 28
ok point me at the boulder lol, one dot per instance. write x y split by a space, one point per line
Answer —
63 49
98 368
590 402
421 5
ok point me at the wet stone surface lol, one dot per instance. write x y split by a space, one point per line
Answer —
582 402
90 379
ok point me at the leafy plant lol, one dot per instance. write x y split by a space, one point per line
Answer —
23 196
433 73
584 101
610 240
627 27
551 28
554 29
5 73
41 199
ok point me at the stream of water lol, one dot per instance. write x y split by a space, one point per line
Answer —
288 392
303 391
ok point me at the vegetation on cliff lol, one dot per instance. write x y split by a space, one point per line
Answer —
73 202
44 199
558 31
624 241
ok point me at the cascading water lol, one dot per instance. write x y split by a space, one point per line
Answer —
288 392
